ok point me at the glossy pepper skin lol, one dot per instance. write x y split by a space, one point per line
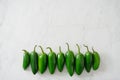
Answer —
79 62
60 60
34 61
88 60
96 60
51 61
69 61
26 59
42 61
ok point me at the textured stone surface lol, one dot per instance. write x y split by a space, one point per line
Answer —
24 23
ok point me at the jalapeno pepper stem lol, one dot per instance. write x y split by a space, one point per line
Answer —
78 48
35 47
93 49
60 49
68 46
41 49
25 51
86 47
49 49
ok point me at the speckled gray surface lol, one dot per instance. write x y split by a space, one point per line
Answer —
24 23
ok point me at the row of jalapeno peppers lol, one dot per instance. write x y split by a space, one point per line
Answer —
39 62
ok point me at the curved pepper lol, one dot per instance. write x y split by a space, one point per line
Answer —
51 61
88 60
34 61
42 61
79 62
96 60
69 61
26 59
60 60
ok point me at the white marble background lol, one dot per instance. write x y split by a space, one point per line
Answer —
24 23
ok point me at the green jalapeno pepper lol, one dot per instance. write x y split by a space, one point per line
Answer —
88 60
51 61
26 59
42 61
96 60
34 61
60 60
69 61
79 62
